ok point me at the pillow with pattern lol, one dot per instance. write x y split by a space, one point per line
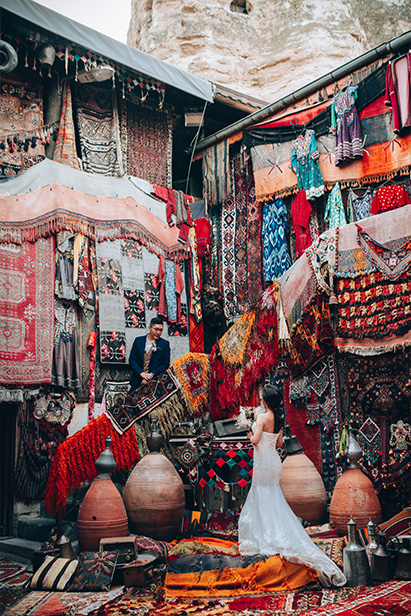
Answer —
54 574
95 571
332 547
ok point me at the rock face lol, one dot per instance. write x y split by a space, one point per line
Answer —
265 48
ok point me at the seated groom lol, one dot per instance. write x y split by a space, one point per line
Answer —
149 355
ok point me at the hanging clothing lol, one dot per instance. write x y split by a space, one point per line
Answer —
64 283
275 253
301 211
304 163
66 361
398 91
334 212
359 207
389 198
345 124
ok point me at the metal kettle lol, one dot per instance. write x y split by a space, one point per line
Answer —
381 562
403 566
355 561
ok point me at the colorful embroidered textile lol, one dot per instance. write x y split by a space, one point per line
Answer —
274 232
304 163
192 372
48 603
218 574
99 129
21 121
389 598
390 262
65 151
346 125
148 132
26 312
216 173
73 463
397 93
55 207
244 354
95 571
389 198
124 413
228 226
358 206
334 212
9 570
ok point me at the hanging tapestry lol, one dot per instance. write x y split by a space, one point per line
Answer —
65 151
99 129
21 123
375 396
217 173
124 413
274 235
389 261
246 352
74 461
192 372
26 312
149 141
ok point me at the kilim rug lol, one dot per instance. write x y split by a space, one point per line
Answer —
99 129
26 312
149 143
193 372
10 595
11 572
143 400
46 603
390 598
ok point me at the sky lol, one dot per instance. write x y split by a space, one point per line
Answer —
110 17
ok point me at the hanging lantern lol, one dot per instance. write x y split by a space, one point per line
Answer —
154 493
301 483
354 494
102 513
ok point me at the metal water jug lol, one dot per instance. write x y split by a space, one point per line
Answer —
355 561
403 566
372 541
381 561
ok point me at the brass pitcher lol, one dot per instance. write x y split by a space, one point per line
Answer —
355 561
381 562
403 566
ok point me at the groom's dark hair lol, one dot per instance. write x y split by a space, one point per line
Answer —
273 397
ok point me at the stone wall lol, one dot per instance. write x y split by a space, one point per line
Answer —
266 48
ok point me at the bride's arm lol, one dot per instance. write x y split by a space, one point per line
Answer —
280 441
255 438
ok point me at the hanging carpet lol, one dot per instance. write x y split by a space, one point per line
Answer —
26 312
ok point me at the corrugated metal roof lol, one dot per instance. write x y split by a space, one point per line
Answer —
108 47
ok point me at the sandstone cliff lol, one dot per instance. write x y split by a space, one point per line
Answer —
266 48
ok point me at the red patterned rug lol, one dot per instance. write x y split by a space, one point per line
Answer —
12 573
390 598
26 312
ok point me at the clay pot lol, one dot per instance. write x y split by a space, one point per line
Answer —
303 488
102 513
154 498
354 495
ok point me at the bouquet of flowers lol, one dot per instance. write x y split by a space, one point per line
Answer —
247 416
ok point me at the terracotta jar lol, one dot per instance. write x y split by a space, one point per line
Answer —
154 494
354 495
102 513
301 483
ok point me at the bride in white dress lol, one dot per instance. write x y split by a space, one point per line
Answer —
267 524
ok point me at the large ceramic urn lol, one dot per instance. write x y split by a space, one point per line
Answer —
354 494
102 513
154 493
301 483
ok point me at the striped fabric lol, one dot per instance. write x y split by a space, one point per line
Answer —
54 574
216 172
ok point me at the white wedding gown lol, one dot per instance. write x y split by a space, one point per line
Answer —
267 524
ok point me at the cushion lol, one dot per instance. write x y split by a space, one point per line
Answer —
95 571
146 544
223 524
54 574
332 547
397 525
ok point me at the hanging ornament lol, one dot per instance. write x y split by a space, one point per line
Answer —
66 59
76 75
34 67
114 81
26 64
124 96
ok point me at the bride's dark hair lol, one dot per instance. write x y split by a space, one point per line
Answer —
273 396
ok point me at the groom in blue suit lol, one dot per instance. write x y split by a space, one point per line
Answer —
149 355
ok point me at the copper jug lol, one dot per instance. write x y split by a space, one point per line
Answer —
381 562
355 561
403 566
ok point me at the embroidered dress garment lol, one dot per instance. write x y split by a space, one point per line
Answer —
170 284
267 524
389 198
66 362
304 163
301 211
275 226
334 214
345 124
359 207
